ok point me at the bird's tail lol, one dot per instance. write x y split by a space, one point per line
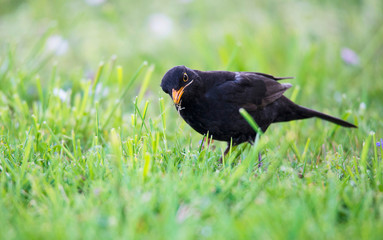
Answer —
293 111
312 113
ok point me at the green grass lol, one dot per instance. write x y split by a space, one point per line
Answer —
93 150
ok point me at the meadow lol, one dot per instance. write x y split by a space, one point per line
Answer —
91 148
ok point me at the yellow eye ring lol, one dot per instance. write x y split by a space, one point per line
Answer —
185 77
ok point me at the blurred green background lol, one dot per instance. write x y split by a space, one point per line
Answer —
74 163
281 38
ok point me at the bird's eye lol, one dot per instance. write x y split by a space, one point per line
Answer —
185 78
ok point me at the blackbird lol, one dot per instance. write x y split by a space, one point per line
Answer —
210 102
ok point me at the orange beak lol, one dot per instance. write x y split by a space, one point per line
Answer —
176 95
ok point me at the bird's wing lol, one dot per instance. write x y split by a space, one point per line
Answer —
249 90
268 76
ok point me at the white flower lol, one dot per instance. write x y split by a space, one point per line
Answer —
101 91
161 25
95 2
362 106
58 92
57 44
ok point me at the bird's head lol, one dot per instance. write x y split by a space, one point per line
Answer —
178 81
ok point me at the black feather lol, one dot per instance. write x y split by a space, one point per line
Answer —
211 103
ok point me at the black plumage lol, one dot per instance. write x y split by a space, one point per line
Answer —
210 101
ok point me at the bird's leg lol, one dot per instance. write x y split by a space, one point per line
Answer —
260 163
228 149
225 153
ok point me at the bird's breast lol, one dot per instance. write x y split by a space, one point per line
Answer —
213 117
